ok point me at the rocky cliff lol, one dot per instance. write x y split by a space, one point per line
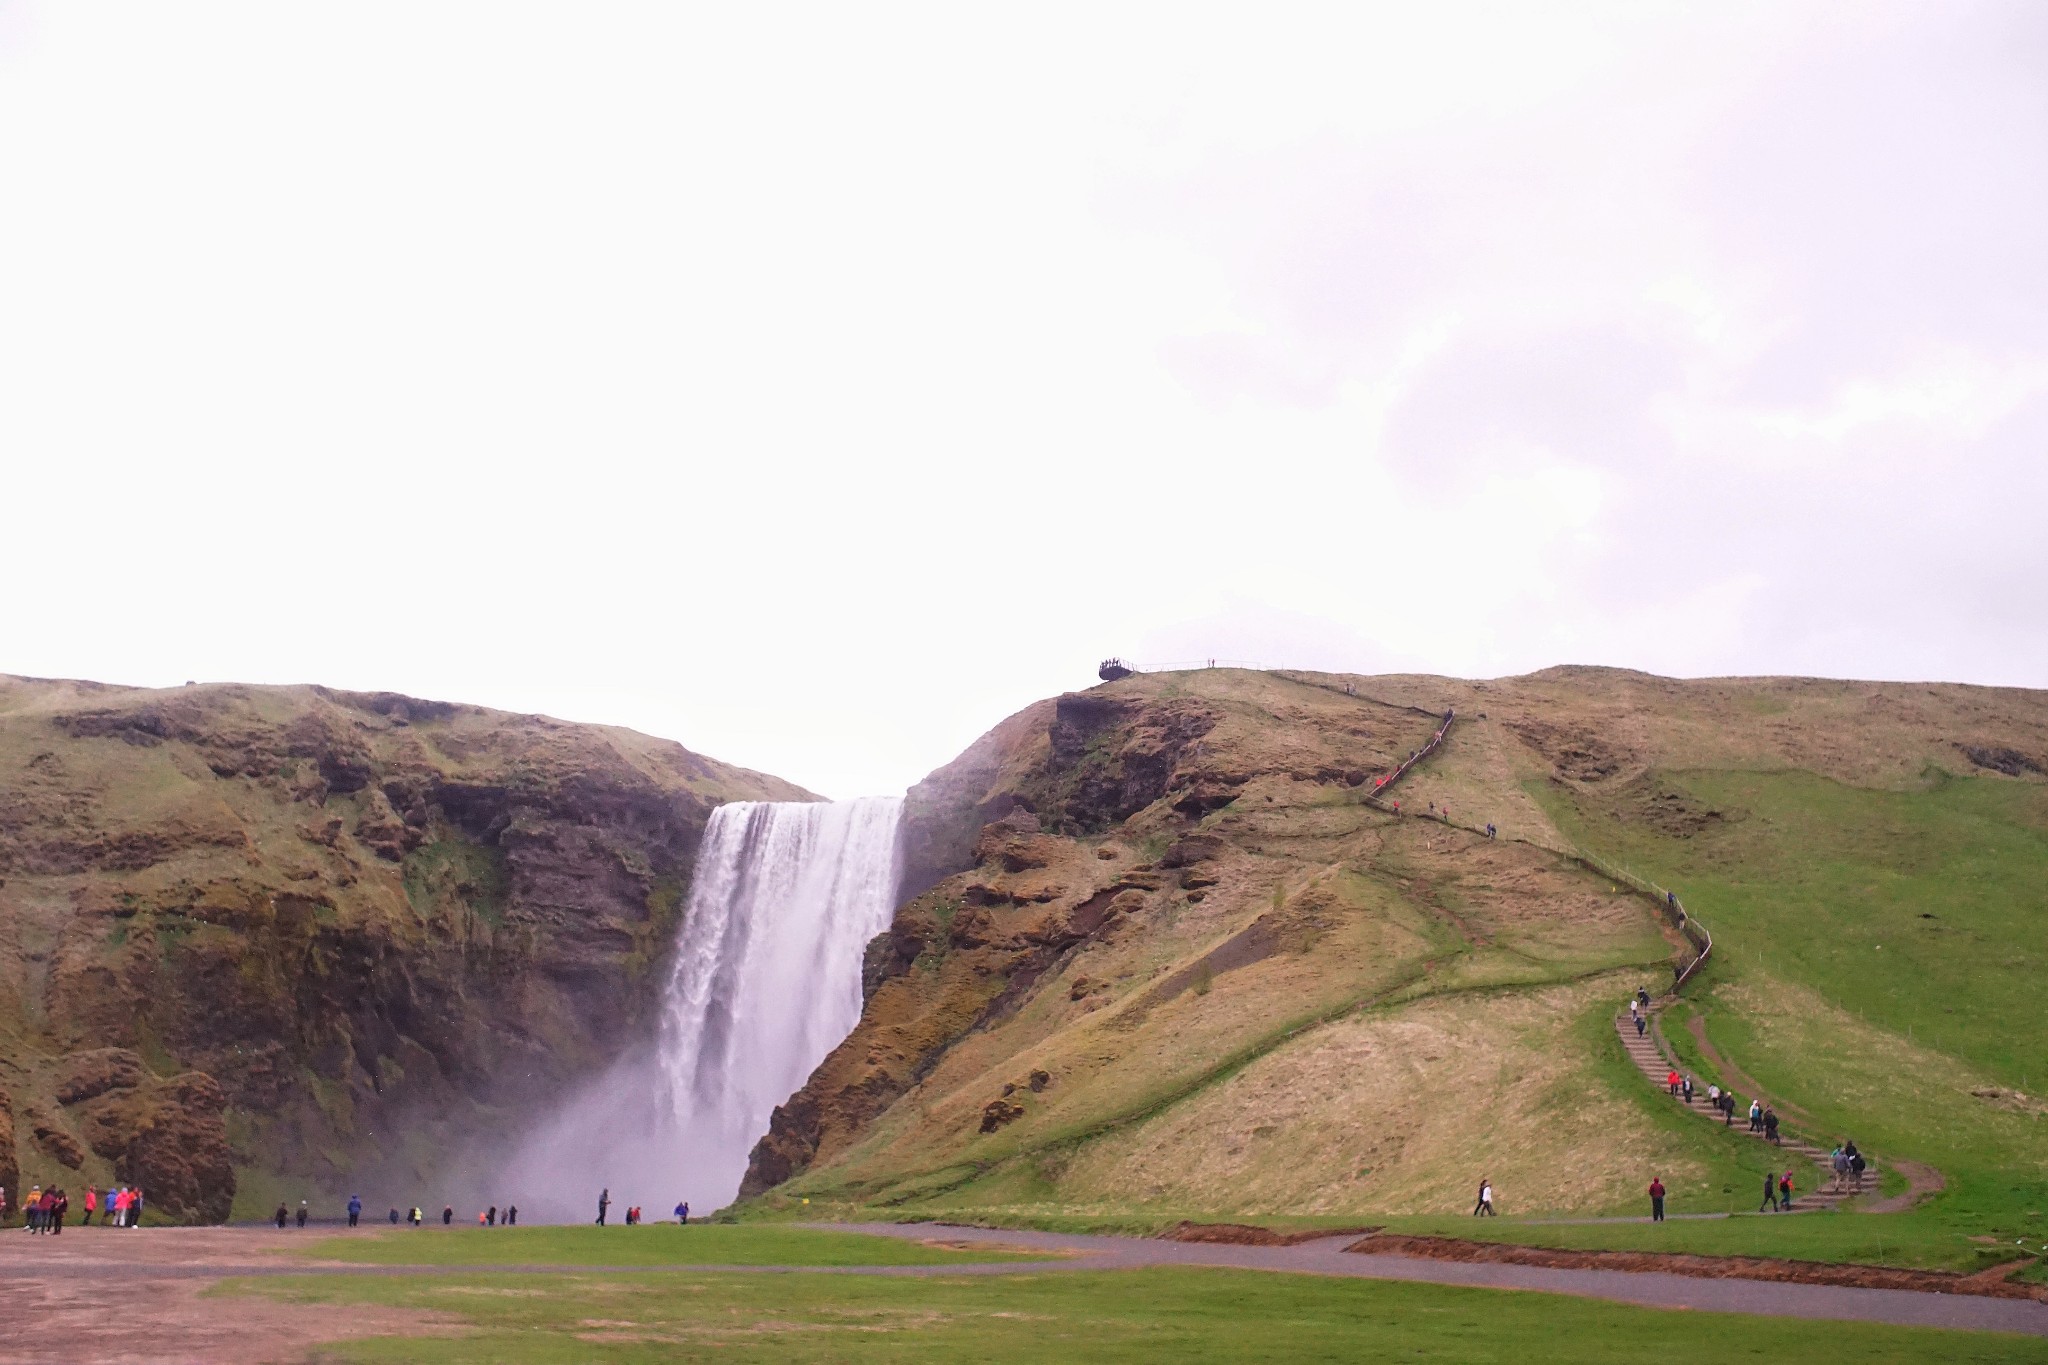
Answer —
286 934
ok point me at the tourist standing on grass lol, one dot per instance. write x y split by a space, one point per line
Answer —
1656 1200
394 1218
604 1201
355 1209
1770 1192
682 1214
512 1216
447 1214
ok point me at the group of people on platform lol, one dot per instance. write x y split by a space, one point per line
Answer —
45 1210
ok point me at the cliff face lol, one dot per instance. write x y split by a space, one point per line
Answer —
298 932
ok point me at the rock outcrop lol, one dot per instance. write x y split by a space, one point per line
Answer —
344 928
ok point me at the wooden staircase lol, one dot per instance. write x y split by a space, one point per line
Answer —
1648 1053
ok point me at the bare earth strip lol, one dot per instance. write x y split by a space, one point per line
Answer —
129 1297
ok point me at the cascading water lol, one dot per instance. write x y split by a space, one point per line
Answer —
767 970
766 982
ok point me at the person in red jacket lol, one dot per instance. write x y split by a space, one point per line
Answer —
1656 1200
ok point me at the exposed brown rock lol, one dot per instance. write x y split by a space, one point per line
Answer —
336 916
999 1112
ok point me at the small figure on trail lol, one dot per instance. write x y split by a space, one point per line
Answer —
1727 1108
1671 1083
283 1215
416 1215
1856 1164
302 1213
479 1217
355 1209
1671 899
1688 1087
1771 1126
1484 1208
1714 1098
447 1214
1770 1192
394 1218
682 1214
1642 1026
91 1203
1839 1164
1785 1192
1490 830
1656 1200
604 1201
1756 1116
1643 996
135 1207
1635 1011
491 1217
512 1216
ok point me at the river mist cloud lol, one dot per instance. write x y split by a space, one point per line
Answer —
816 387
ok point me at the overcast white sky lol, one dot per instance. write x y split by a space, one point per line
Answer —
817 385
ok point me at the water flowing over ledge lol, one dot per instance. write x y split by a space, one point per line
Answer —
765 982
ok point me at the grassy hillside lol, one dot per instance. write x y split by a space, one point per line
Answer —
1305 1008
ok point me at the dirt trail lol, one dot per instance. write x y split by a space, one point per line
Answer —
1987 1283
134 1295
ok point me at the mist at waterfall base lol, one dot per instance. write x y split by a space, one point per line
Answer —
765 982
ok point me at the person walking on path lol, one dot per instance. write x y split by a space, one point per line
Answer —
1785 1192
135 1207
511 1215
604 1201
1771 1126
283 1216
1484 1208
59 1202
1727 1109
1770 1192
1656 1200
302 1213
1756 1116
92 1202
1688 1087
1671 1083
1856 1164
447 1214
355 1208
1642 1025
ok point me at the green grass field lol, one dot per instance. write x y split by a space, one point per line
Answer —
1878 964
649 1244
1179 1315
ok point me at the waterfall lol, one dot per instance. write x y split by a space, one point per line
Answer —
766 979
765 982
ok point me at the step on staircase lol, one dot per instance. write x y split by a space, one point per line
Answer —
1648 1054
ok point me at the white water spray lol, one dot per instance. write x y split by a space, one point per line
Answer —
766 982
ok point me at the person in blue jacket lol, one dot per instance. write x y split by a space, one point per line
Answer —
355 1208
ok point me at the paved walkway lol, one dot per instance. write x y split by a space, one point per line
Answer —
1328 1257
